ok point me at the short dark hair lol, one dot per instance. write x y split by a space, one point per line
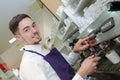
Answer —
14 22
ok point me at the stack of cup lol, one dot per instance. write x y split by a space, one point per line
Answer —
113 57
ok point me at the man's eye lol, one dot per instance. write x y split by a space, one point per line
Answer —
34 25
26 30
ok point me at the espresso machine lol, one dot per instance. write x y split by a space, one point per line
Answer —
106 30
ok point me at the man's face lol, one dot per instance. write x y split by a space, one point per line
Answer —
28 32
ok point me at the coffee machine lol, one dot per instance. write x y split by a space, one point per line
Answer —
106 30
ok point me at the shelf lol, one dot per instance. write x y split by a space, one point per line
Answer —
66 33
71 23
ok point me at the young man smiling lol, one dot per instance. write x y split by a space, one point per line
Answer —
40 64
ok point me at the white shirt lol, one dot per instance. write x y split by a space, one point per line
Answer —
34 67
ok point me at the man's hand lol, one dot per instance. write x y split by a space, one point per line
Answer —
83 44
88 66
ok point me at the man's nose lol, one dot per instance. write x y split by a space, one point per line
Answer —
34 30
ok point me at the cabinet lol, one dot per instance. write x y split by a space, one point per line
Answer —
52 5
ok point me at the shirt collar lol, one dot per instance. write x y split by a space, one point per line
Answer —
35 47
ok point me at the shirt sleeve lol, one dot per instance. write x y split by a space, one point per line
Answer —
31 71
72 57
77 77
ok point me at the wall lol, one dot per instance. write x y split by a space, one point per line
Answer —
12 56
45 22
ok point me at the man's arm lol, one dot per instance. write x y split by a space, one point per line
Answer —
89 65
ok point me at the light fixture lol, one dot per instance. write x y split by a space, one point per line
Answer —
12 40
21 49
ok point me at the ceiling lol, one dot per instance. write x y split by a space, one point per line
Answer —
8 9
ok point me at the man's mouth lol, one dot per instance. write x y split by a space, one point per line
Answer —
36 35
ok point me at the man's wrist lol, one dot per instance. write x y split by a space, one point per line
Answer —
77 77
82 74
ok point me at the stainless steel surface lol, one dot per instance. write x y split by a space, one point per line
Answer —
114 32
106 70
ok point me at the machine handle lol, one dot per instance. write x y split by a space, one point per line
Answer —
107 25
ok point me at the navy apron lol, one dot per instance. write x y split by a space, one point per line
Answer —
58 63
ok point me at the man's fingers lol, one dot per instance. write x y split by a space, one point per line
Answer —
96 59
85 47
87 38
90 57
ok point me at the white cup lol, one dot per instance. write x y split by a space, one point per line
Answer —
113 57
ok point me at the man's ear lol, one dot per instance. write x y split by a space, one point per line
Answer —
18 37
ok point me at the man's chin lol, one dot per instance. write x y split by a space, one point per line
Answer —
37 42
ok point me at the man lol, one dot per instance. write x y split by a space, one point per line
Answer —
40 64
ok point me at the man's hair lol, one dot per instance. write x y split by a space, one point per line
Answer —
14 22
